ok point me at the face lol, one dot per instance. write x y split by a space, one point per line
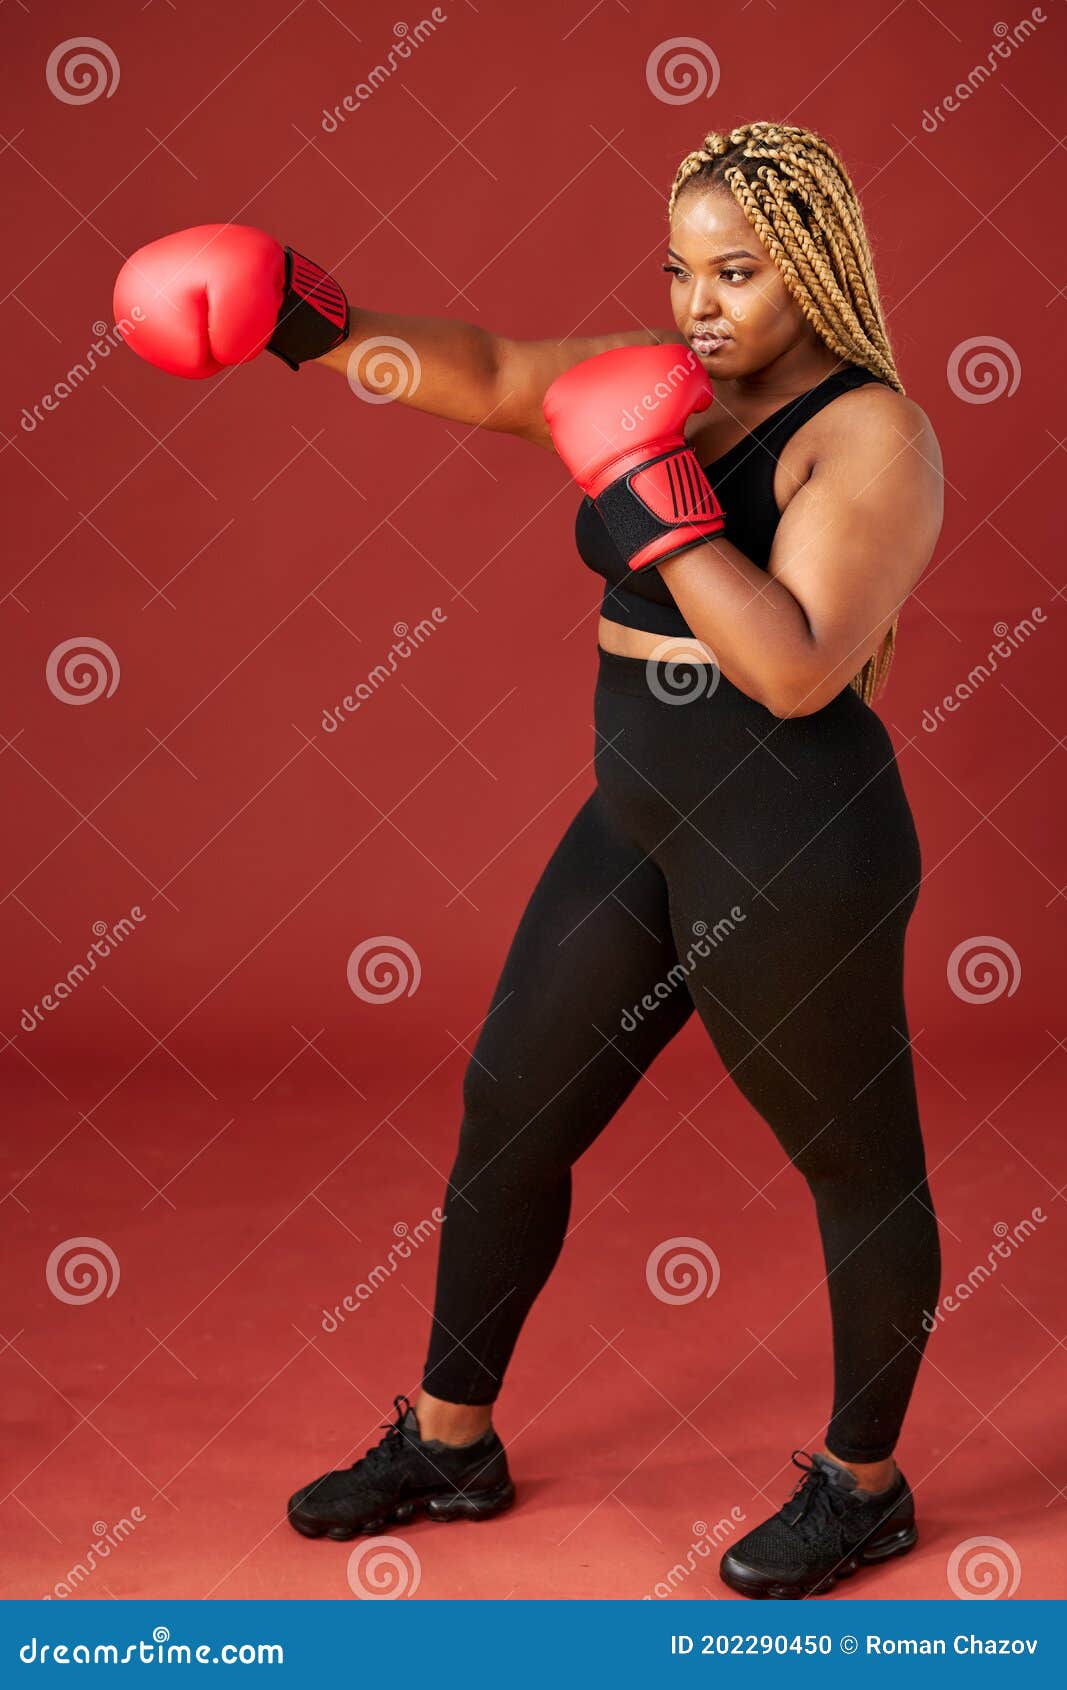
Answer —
727 295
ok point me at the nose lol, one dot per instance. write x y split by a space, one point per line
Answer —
705 305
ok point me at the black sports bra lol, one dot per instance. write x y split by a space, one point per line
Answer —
744 481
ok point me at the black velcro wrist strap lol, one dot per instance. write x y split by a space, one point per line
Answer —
633 526
314 313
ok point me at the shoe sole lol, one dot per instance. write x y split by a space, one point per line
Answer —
453 1505
747 1584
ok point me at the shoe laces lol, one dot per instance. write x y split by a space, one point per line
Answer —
815 1502
387 1449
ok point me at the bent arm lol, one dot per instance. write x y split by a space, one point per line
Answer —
468 374
851 544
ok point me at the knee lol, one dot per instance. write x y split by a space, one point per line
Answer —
507 1131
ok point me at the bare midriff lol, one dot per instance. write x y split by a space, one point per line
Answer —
637 642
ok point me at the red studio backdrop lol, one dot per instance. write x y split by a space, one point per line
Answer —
243 1103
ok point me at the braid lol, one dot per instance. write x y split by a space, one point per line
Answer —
801 202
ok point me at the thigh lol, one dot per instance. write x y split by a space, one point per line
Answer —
585 1000
802 991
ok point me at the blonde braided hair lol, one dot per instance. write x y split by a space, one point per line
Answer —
801 202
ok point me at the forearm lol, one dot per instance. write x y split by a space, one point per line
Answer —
753 625
460 371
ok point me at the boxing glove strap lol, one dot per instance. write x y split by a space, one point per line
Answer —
314 313
665 498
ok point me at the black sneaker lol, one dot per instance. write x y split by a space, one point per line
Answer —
401 1474
823 1533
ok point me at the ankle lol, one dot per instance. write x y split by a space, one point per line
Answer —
451 1422
870 1475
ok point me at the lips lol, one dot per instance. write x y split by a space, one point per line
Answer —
704 345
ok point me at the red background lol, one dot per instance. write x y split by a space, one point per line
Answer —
215 1103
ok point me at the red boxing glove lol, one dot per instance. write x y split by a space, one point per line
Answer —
618 423
222 293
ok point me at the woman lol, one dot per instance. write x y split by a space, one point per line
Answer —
756 553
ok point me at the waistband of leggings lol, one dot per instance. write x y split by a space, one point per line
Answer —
658 678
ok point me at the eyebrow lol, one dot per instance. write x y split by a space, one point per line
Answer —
737 252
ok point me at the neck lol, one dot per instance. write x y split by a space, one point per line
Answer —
793 372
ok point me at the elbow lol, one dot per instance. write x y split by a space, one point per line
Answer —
802 697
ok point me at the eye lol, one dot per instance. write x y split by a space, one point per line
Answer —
673 270
741 275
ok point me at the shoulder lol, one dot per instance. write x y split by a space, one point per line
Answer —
873 430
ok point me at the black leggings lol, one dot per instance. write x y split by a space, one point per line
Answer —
763 871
